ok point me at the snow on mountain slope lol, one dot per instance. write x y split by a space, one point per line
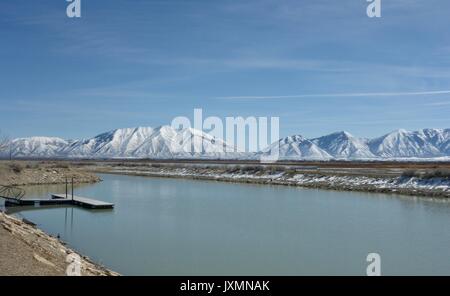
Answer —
402 143
343 145
145 142
116 143
297 147
440 138
37 147
167 142
445 147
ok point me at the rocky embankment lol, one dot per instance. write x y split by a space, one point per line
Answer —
26 250
435 184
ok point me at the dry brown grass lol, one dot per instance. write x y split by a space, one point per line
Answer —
428 174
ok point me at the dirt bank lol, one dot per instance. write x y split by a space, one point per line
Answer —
42 172
26 250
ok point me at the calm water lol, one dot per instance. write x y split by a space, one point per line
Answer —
186 227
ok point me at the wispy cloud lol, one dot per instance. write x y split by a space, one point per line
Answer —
339 95
446 103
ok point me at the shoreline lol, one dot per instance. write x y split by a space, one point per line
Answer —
402 185
28 250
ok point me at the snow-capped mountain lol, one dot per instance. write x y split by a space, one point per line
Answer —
145 142
440 138
37 147
166 142
426 143
402 143
296 147
343 145
116 143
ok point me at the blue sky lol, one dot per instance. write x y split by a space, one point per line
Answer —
321 66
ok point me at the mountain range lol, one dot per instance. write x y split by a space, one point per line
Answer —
166 142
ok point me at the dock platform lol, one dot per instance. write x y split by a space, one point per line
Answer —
60 199
84 201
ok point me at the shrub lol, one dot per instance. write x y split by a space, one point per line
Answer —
441 173
233 170
250 169
410 173
32 166
429 174
275 169
290 173
247 168
15 167
61 165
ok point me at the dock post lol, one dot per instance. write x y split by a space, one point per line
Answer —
72 188
67 189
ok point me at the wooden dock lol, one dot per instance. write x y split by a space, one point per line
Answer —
84 201
60 199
